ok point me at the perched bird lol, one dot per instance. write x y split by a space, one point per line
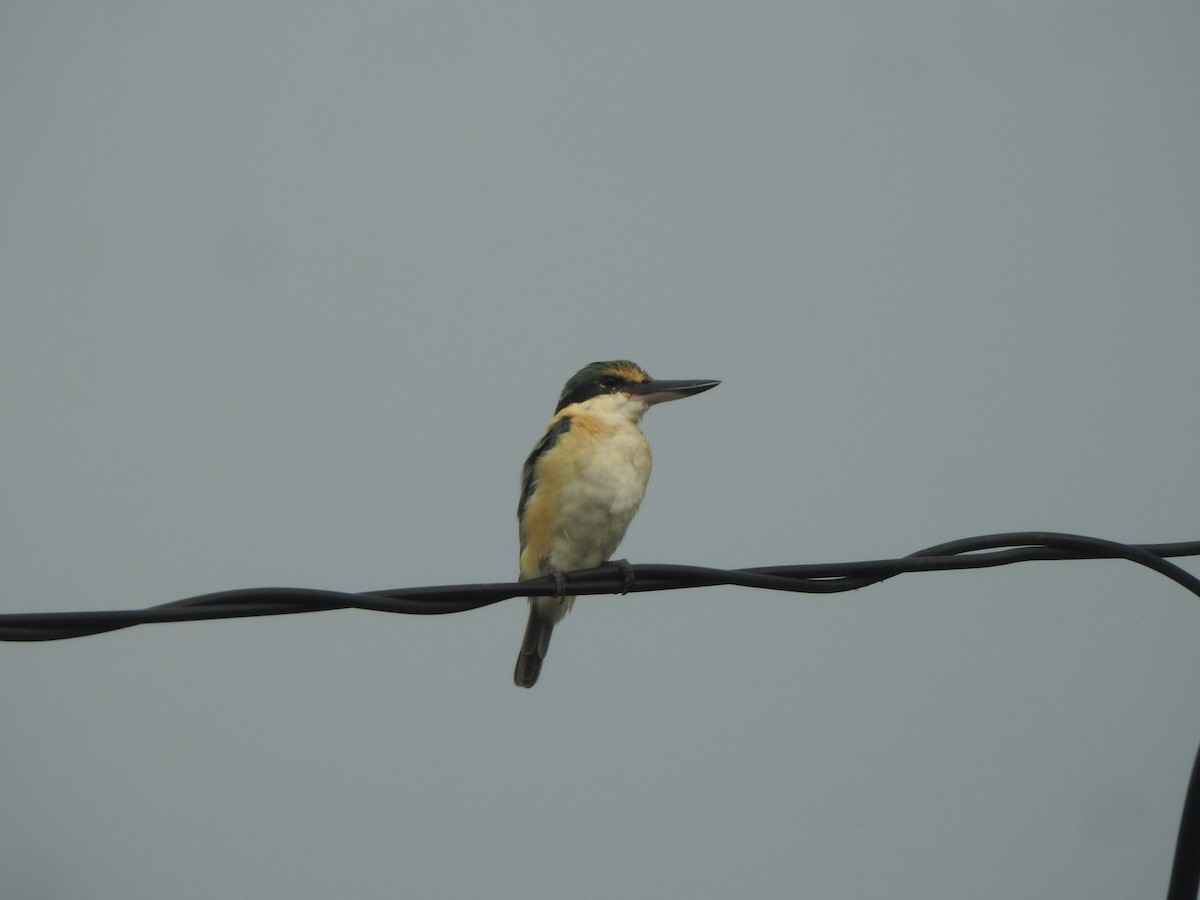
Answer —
582 484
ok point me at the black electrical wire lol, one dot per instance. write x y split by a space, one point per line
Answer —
821 578
968 553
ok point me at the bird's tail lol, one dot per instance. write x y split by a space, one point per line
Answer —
533 648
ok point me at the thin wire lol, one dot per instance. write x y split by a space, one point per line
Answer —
968 553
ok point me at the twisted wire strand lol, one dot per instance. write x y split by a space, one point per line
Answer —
983 551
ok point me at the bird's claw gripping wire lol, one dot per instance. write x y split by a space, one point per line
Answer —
560 582
626 571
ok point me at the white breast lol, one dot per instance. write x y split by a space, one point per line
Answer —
600 498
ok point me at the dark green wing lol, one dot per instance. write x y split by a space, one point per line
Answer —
528 477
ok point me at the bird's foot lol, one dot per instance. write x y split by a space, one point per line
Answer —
560 582
626 571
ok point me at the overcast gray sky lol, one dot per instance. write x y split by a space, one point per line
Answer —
289 291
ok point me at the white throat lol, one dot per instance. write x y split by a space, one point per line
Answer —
626 407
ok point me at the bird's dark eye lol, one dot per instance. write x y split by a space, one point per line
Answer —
608 382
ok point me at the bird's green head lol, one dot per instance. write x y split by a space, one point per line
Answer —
620 376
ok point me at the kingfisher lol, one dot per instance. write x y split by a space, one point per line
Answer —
582 485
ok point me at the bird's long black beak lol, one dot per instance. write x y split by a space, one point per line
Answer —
655 391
